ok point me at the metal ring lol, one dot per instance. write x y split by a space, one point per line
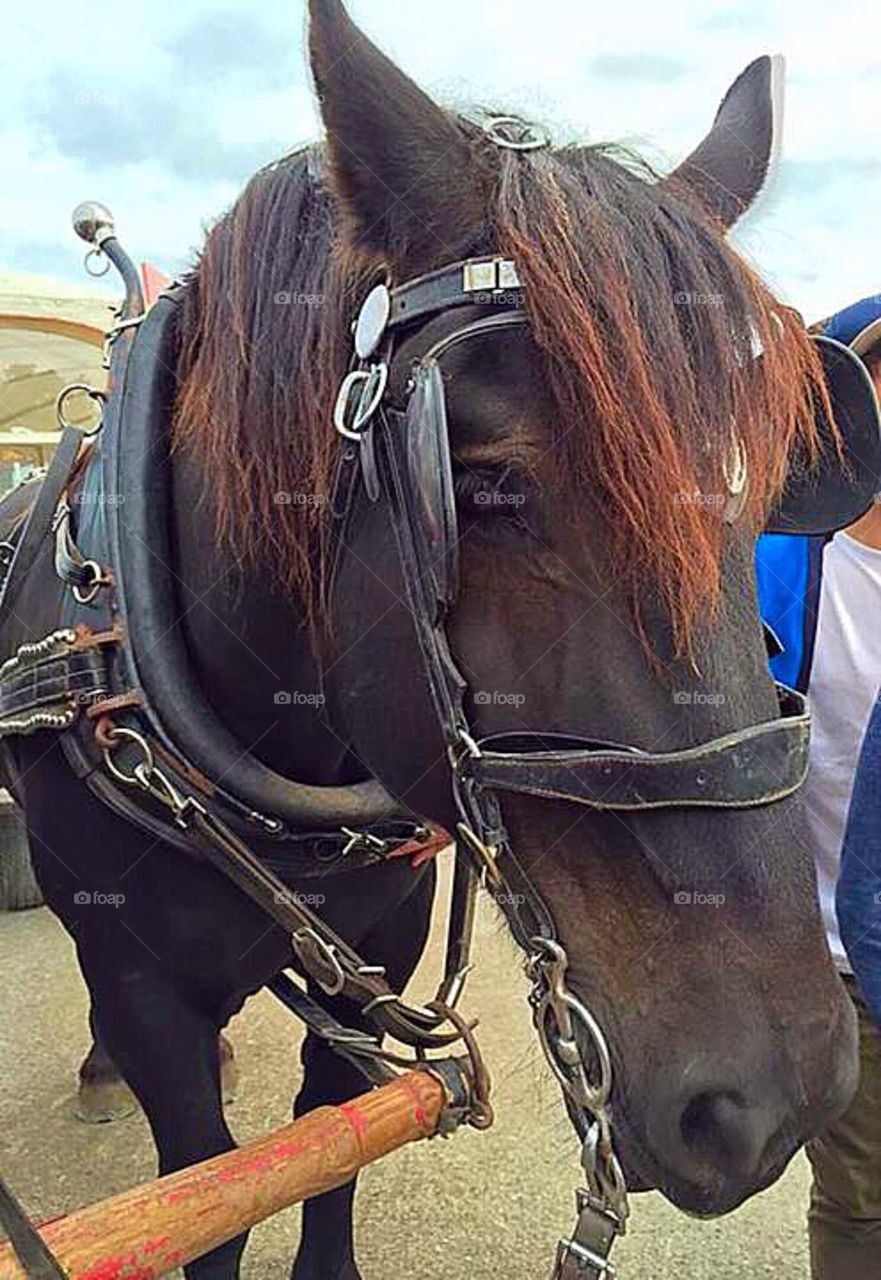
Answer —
481 1114
595 1095
100 256
85 595
534 137
71 389
147 763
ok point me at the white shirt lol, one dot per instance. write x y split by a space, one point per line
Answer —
845 679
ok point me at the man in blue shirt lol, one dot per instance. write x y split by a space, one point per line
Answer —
821 596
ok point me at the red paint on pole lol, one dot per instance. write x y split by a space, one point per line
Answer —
355 1118
123 1267
418 1111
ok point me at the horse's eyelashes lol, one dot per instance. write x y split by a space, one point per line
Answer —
502 499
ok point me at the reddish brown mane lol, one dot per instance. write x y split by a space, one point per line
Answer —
649 320
264 348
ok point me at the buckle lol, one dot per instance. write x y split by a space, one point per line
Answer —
319 959
586 1255
363 840
359 397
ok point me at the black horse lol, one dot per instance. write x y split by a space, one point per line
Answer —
600 591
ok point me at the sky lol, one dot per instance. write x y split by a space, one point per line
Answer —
165 110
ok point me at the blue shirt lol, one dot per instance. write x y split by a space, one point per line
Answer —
789 573
858 899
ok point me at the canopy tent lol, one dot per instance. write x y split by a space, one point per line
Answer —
51 334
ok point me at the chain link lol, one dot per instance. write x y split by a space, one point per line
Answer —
570 1036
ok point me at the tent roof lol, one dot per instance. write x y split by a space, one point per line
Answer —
25 294
61 345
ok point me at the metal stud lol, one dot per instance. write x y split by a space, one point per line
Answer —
372 320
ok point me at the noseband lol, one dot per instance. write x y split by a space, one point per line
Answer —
405 460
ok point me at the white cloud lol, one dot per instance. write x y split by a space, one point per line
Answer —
206 92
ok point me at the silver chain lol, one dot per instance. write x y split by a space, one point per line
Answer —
602 1208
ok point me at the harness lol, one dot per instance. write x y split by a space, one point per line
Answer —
115 682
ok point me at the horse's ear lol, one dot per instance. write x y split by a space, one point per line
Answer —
395 156
731 165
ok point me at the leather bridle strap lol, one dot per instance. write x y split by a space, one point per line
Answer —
477 281
38 524
743 770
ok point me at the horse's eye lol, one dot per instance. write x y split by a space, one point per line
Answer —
497 498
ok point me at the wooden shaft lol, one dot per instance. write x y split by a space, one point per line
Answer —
146 1232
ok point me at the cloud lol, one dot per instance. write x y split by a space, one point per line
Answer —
638 68
748 14
108 127
233 43
165 112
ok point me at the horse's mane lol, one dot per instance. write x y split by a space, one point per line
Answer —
649 320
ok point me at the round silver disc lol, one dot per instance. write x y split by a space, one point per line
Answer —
90 219
372 321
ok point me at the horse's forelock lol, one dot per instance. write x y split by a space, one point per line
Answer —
651 323
648 319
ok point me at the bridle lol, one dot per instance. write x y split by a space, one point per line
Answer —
403 458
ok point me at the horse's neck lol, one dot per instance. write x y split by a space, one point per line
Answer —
249 648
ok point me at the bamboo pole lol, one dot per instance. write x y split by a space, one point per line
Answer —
146 1232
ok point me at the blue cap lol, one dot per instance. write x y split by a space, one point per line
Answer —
857 326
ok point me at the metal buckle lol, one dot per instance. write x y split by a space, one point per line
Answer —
585 1256
152 780
362 840
319 959
352 412
96 580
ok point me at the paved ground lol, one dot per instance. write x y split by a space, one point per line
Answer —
481 1205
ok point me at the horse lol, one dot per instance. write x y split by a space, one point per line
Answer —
603 585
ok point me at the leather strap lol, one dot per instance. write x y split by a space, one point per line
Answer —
28 1245
42 515
755 766
475 282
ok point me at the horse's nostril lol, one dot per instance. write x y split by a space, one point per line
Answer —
721 1130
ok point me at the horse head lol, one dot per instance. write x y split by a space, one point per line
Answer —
611 463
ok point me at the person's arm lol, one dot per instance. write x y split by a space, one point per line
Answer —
858 897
